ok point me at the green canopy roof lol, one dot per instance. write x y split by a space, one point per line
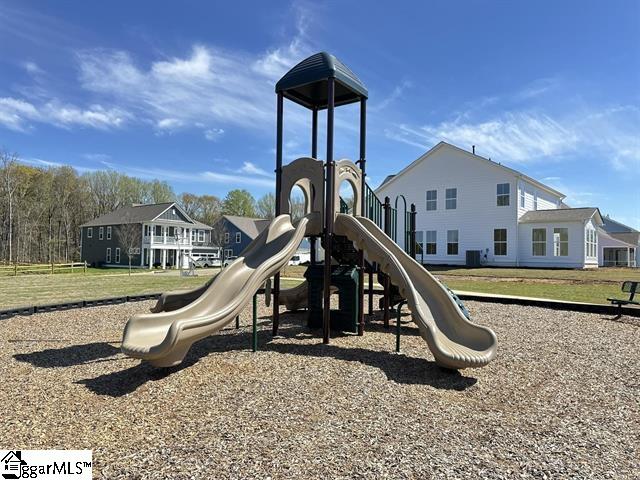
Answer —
306 83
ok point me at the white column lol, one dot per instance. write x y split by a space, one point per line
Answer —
164 258
164 234
151 253
142 250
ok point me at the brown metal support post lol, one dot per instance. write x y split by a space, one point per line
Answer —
385 281
362 161
276 278
329 213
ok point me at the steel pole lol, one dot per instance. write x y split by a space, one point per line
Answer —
329 214
276 278
255 324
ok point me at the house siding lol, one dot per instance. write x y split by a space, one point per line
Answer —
94 250
232 229
576 257
545 200
477 213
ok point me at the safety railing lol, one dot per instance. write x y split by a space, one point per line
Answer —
373 207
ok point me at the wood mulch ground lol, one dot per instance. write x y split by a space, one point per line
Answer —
560 400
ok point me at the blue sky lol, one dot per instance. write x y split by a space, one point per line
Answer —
183 91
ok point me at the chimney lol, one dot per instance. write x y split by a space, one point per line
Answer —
473 149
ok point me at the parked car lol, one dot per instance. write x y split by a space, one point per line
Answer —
228 260
205 260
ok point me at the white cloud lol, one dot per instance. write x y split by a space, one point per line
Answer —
253 169
169 124
230 180
32 68
17 114
213 134
204 89
395 94
530 136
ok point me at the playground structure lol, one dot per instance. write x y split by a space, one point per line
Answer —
355 241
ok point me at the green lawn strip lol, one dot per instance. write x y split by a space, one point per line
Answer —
588 292
593 275
44 289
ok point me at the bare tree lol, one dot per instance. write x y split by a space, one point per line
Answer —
129 235
266 206
218 234
9 161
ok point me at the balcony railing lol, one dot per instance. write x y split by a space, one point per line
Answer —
161 240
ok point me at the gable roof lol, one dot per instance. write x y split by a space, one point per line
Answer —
250 226
134 214
442 144
562 215
613 226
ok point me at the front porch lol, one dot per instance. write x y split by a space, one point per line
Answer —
619 257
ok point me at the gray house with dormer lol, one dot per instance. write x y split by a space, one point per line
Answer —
153 235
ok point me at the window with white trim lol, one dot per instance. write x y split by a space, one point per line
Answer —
591 242
539 242
90 232
452 242
101 233
431 240
226 237
432 199
109 233
419 238
499 241
503 193
451 198
560 242
238 237
108 255
228 253
201 236
117 255
522 198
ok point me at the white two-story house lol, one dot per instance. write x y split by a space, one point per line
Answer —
466 202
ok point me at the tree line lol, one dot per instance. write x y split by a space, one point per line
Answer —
42 208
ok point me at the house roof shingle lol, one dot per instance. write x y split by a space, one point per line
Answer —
251 226
561 215
130 214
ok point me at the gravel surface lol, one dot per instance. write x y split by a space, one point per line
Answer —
560 400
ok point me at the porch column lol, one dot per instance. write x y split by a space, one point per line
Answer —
142 252
164 258
151 253
164 234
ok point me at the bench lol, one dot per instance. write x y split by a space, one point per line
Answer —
627 287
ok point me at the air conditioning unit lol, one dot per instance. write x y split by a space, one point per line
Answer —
473 258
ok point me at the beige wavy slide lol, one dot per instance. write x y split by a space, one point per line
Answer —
164 338
293 298
454 341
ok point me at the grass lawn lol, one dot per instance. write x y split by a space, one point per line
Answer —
598 275
43 289
587 292
592 286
